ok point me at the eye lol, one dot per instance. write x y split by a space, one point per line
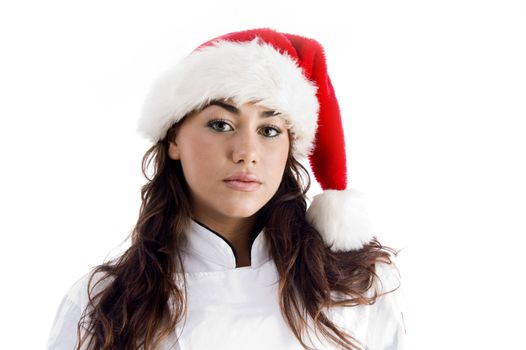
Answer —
271 128
220 123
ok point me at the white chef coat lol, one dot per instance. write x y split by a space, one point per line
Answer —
238 308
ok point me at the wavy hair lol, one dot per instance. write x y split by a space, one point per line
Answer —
141 304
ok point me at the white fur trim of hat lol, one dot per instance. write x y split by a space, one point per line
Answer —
243 71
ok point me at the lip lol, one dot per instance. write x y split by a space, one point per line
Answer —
243 177
242 185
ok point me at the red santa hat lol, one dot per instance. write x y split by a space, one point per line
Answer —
286 73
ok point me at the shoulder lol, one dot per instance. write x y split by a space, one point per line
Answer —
386 326
78 291
63 334
380 325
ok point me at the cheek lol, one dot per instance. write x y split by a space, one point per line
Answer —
198 159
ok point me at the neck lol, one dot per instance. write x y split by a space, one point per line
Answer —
236 230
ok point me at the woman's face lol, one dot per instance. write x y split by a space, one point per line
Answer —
221 140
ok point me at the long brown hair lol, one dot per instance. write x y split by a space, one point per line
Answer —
141 303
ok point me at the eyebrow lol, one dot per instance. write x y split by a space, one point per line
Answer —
235 110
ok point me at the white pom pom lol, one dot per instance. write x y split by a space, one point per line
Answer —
341 218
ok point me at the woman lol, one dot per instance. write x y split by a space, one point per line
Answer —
225 254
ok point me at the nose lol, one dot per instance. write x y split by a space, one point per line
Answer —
245 147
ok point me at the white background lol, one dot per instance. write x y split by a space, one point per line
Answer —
432 95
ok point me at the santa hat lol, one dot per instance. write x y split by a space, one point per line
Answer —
286 73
